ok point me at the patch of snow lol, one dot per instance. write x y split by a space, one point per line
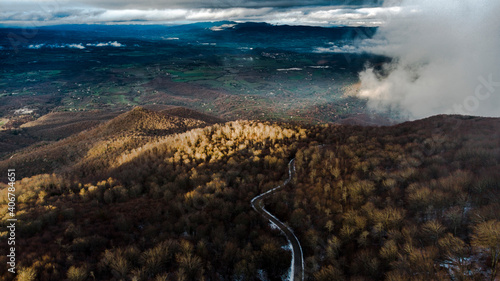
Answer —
272 225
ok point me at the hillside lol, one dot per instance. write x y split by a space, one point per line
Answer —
59 125
50 127
153 196
126 131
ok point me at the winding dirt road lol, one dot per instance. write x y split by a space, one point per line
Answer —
297 266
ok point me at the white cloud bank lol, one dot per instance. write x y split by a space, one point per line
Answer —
446 59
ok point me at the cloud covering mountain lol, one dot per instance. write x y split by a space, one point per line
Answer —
446 59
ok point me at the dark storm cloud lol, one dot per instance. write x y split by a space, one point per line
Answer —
47 5
195 4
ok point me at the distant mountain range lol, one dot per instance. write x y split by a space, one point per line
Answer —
225 33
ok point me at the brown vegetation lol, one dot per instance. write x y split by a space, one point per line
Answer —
148 196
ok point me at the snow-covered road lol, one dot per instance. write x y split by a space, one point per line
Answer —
297 265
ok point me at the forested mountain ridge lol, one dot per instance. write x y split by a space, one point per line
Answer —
416 201
155 201
125 131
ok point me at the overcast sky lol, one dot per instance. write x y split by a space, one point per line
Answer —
311 12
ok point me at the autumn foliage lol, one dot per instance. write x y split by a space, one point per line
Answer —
150 196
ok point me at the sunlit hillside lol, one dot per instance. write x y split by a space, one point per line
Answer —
153 196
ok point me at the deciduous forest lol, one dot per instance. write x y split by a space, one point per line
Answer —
153 196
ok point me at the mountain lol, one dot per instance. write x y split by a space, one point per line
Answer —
155 195
224 33
125 131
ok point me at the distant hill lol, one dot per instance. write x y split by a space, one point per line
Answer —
184 112
124 131
59 125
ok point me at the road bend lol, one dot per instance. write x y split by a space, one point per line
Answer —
297 266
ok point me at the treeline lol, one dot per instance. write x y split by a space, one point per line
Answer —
399 203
